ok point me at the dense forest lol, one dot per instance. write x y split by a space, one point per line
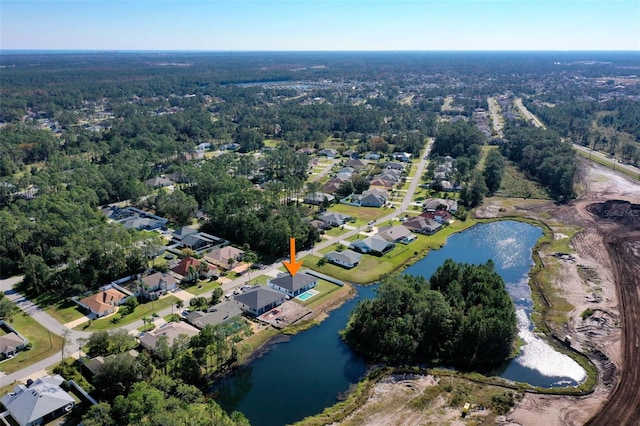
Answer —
461 316
544 157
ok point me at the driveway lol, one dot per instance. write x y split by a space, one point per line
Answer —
73 348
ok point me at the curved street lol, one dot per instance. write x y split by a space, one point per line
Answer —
73 336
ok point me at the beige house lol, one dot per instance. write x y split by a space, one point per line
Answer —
224 257
102 303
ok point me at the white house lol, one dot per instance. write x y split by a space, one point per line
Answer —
347 258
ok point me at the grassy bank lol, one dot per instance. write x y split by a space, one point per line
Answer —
371 267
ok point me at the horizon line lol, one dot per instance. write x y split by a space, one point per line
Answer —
105 50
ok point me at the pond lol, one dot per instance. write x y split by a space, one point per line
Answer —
509 244
301 375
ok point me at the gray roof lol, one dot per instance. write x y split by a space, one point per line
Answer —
372 200
259 297
394 233
219 314
293 283
333 218
346 256
9 342
420 223
374 243
171 330
44 396
179 234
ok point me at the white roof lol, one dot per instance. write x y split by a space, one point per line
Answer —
44 396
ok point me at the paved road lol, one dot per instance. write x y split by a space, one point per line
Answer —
73 347
613 163
527 114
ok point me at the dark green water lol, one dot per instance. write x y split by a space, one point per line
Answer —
306 373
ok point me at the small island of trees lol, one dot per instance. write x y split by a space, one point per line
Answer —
462 316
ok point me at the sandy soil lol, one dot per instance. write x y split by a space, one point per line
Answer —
601 275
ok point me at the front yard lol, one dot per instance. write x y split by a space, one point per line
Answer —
141 311
365 214
44 343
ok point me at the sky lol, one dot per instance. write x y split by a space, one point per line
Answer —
300 25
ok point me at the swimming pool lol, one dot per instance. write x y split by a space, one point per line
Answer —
307 295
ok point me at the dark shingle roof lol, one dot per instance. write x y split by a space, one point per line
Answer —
294 283
259 297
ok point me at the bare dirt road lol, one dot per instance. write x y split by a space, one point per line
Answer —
620 226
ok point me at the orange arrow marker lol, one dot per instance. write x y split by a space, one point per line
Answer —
292 266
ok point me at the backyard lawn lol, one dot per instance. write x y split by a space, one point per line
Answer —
324 289
44 343
142 310
371 267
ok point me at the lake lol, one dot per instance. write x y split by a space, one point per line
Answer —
509 244
303 374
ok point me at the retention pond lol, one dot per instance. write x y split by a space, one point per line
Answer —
303 374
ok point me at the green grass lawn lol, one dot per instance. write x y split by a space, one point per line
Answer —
363 213
325 288
337 231
142 310
203 286
515 185
371 267
65 311
44 343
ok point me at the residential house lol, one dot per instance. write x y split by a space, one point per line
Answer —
370 199
356 164
133 218
346 258
350 153
329 153
218 314
259 299
332 185
225 257
402 156
201 241
377 182
372 156
183 268
433 204
159 182
318 224
422 225
333 219
306 150
103 303
294 285
11 342
39 403
155 285
442 216
179 234
392 165
375 245
171 330
318 198
397 234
